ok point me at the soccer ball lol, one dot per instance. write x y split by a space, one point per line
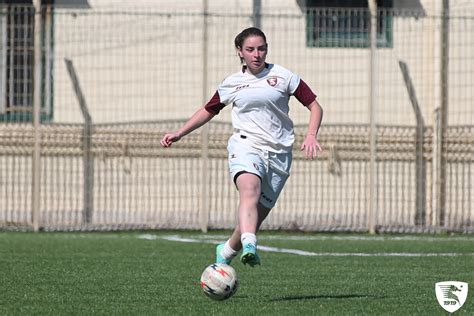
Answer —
219 281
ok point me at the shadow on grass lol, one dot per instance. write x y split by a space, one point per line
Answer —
319 297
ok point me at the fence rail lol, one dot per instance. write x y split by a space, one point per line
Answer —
138 184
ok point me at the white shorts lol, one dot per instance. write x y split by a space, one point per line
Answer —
273 169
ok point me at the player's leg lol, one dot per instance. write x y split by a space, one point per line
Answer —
270 189
234 240
249 252
227 251
250 255
249 186
247 169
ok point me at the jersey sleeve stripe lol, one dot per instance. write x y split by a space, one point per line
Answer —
214 106
304 94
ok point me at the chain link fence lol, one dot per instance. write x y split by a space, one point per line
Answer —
114 80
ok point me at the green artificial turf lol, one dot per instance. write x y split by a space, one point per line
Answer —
138 273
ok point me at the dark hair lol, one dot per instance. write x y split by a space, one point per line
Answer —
242 36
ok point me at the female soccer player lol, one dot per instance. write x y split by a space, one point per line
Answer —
260 149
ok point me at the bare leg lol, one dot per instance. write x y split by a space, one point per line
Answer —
234 240
248 185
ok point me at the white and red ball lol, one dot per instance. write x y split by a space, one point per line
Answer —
219 281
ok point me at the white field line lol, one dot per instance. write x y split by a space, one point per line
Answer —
349 238
309 253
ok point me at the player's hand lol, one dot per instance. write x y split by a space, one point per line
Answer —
311 147
169 139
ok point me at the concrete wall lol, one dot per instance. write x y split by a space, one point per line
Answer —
141 60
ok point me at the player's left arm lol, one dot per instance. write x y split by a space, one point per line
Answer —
305 95
311 145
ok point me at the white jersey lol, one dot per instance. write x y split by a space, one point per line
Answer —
260 106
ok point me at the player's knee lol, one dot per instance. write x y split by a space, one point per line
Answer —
250 194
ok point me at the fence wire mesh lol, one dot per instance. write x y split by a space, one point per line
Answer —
141 70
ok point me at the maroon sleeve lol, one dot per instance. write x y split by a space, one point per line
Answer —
214 106
304 94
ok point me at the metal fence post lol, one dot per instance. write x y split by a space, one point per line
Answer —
440 171
437 154
257 13
88 161
420 161
36 167
204 206
373 127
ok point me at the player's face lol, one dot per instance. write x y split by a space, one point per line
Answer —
254 52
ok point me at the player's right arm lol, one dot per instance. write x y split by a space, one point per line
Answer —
201 117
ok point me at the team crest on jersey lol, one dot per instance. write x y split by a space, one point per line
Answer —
272 81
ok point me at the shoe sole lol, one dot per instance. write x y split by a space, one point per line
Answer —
250 259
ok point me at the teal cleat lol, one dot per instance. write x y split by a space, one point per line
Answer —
219 258
249 256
